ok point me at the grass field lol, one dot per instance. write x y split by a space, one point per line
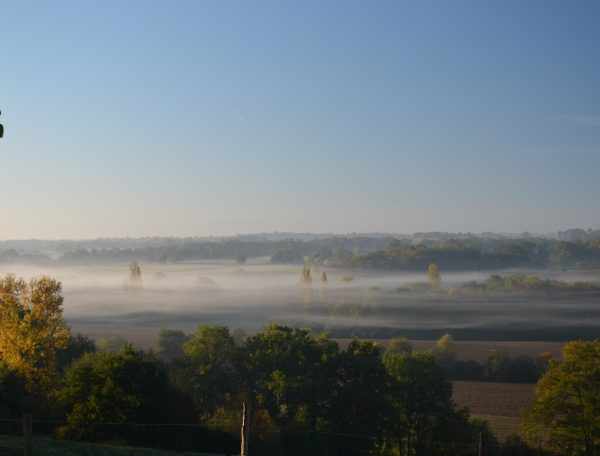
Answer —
501 404
13 446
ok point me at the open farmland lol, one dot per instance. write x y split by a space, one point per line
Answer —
99 302
501 404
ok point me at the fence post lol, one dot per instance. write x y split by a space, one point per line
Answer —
27 434
480 446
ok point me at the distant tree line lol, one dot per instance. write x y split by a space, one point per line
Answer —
465 253
523 283
477 254
498 367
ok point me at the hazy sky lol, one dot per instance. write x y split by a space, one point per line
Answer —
194 118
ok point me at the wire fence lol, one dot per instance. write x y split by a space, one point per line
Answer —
186 437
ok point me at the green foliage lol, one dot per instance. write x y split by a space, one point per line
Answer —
481 254
362 390
524 283
522 369
421 398
211 367
111 344
565 415
105 387
280 360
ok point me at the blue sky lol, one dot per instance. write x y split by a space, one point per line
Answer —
195 118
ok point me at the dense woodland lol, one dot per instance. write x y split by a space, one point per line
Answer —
364 252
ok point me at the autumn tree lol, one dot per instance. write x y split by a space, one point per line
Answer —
434 276
306 277
32 329
445 345
565 415
399 345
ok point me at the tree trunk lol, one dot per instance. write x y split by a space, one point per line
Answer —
27 434
246 420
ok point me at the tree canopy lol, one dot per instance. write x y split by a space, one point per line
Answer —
565 415
32 329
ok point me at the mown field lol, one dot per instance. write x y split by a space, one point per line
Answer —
501 404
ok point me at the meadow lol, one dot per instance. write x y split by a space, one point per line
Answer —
100 302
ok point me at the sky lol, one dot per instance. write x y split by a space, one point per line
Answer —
217 118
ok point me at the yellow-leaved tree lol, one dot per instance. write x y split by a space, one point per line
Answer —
32 329
565 414
434 276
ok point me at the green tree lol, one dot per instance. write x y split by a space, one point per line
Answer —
105 387
288 373
565 414
361 390
32 329
211 357
421 398
112 344
281 360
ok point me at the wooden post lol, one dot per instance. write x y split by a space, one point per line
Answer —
27 434
245 434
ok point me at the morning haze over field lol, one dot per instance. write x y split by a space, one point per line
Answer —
300 228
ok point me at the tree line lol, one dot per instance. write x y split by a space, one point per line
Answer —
468 253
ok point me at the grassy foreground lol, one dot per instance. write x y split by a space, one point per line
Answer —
11 445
